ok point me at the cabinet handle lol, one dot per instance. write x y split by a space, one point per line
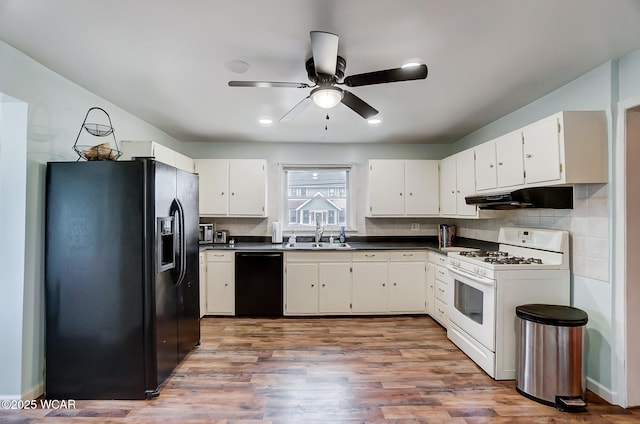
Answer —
491 166
313 285
528 156
458 191
407 254
233 193
369 256
222 194
441 311
500 163
383 284
410 194
324 285
226 284
453 192
400 194
394 284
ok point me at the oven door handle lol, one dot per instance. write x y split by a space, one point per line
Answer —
476 278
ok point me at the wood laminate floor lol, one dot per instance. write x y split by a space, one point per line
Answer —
328 370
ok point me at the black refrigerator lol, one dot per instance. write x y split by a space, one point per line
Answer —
121 277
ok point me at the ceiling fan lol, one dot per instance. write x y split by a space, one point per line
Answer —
325 70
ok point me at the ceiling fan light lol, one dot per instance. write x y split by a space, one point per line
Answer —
327 97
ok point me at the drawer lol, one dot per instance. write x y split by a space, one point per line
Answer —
441 291
440 312
438 259
370 256
441 273
217 256
410 255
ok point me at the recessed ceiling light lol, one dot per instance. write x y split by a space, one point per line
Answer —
265 121
237 66
374 121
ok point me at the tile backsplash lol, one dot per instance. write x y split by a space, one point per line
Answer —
587 223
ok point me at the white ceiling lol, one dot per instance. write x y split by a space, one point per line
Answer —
165 60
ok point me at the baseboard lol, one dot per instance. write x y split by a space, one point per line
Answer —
34 393
604 392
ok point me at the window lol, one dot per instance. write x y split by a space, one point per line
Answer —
317 195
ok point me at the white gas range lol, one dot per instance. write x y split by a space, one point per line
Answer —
531 266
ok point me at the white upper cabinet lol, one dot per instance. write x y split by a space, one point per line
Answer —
458 180
236 187
509 159
499 162
569 147
403 188
214 186
486 173
146 148
421 185
248 187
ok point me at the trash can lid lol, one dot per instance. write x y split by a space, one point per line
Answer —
558 315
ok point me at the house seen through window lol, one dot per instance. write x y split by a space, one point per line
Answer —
317 195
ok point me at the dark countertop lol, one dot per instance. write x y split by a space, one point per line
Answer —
262 244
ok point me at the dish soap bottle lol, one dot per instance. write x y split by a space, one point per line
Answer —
343 237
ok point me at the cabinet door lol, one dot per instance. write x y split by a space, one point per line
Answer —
220 288
247 187
335 288
386 187
542 150
486 173
370 287
421 187
214 186
406 287
510 159
448 203
466 182
431 282
302 288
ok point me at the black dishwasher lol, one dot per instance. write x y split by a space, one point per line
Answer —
259 284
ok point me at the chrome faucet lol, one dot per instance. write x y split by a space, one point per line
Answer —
319 232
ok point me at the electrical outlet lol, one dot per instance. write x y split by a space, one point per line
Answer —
415 226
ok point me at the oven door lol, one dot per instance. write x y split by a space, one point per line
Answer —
471 305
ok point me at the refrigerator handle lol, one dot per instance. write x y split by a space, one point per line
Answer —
183 244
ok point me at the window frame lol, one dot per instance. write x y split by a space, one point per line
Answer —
350 196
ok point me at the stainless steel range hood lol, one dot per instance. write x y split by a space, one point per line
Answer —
535 197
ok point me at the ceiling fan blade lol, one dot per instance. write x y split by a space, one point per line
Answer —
268 84
296 110
324 47
358 105
389 75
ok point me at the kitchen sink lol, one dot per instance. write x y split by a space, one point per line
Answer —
317 246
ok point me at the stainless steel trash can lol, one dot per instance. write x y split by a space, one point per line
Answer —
549 351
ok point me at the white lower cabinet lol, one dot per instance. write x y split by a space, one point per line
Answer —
318 283
221 295
407 276
335 288
360 282
370 280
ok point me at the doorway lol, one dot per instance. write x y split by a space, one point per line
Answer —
627 234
